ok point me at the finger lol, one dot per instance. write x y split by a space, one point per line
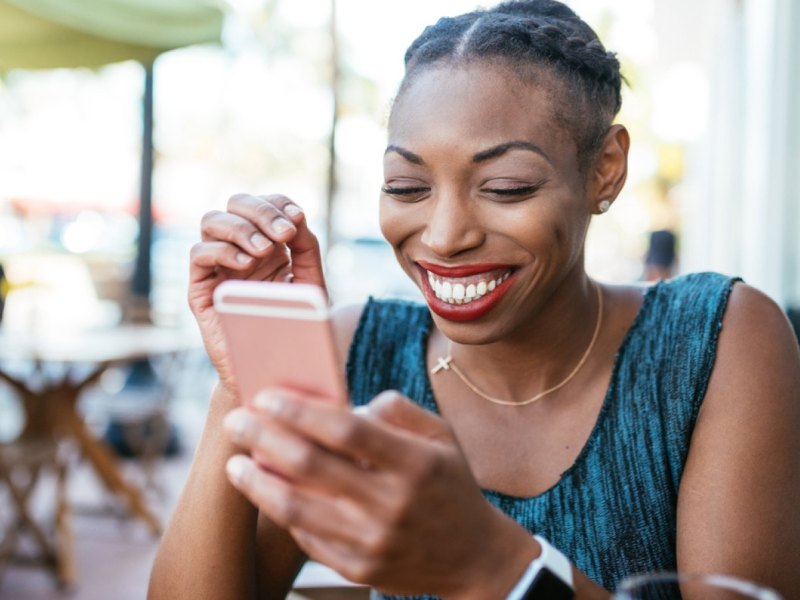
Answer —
340 431
335 554
291 506
206 257
273 264
228 227
394 408
295 457
265 213
306 257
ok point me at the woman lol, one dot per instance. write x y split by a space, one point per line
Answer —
630 431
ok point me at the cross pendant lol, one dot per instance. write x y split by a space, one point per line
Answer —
442 364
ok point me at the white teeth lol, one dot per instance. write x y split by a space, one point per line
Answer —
447 291
461 293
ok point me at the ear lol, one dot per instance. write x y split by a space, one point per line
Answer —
609 169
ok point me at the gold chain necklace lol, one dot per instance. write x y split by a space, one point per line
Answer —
446 364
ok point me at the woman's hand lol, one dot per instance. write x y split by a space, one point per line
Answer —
258 238
384 498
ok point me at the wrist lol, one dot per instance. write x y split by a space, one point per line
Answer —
548 576
503 559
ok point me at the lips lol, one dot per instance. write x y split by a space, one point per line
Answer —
464 292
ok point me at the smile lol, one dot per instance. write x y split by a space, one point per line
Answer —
463 290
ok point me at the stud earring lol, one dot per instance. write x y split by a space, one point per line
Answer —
604 205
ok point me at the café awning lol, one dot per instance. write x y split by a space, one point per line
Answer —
45 34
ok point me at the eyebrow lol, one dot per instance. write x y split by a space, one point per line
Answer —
481 156
501 149
407 154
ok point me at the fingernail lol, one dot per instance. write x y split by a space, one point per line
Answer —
280 225
259 241
293 210
361 410
236 467
243 258
268 402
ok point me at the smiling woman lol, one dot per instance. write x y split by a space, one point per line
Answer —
526 432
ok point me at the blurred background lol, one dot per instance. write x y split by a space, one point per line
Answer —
121 123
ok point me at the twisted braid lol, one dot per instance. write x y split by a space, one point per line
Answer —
531 34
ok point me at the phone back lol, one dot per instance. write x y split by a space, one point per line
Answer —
279 334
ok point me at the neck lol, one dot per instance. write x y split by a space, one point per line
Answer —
542 353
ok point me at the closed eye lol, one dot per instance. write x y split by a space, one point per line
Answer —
403 191
514 191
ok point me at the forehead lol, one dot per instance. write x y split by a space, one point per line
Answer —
478 105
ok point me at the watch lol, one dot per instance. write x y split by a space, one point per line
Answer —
548 577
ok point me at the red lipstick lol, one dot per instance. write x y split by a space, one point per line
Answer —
462 270
472 310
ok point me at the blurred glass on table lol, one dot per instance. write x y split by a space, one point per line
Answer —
679 586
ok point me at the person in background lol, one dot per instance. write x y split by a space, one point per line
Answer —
659 262
527 431
4 287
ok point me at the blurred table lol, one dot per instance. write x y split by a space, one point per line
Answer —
61 365
318 582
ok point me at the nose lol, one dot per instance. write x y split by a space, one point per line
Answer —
452 225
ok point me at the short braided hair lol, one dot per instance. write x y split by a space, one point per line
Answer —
528 36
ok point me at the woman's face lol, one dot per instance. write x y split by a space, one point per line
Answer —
483 201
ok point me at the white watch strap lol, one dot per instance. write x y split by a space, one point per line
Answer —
550 558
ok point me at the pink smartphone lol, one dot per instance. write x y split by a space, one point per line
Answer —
279 334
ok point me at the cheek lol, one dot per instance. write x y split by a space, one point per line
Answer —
543 231
397 221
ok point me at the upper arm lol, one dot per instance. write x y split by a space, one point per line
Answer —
739 499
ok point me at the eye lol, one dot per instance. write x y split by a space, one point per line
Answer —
406 193
514 191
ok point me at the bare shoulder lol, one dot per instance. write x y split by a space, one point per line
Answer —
741 481
756 374
757 340
345 320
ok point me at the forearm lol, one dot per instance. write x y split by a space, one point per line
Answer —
208 549
501 565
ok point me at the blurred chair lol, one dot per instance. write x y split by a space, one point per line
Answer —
24 465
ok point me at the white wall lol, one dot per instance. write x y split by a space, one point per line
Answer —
749 221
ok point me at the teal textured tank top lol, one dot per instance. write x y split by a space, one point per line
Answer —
613 512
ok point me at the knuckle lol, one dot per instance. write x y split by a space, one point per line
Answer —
266 211
208 217
361 570
196 250
236 199
377 541
346 431
287 507
304 460
239 231
276 199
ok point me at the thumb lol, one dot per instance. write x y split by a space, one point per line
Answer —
306 257
394 408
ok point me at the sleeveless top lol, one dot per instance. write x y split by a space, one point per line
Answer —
613 512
